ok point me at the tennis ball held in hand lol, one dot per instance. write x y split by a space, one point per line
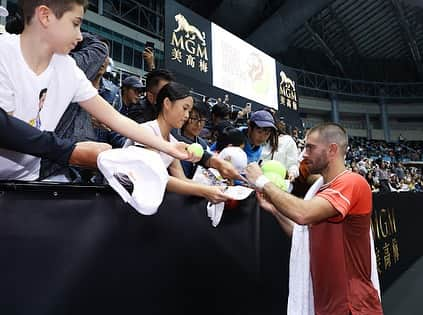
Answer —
275 172
196 149
276 179
273 166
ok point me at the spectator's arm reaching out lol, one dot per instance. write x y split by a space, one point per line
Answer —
85 153
180 184
19 136
106 114
225 168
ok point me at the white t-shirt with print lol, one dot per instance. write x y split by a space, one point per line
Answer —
20 95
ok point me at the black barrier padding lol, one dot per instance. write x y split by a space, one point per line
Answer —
75 250
89 253
274 252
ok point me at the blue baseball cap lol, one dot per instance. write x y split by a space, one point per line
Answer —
263 119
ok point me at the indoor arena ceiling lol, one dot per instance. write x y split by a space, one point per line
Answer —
338 30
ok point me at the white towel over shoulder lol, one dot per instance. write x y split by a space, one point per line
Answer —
300 298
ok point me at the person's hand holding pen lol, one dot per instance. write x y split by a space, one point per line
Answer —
254 175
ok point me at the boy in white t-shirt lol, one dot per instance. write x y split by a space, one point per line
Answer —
37 60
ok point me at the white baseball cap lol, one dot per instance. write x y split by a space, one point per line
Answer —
3 11
143 168
236 156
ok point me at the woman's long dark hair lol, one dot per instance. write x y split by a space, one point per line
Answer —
174 91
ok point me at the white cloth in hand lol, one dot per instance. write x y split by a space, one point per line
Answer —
215 211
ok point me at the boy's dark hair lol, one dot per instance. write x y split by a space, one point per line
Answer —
174 91
201 108
153 77
59 7
221 110
229 136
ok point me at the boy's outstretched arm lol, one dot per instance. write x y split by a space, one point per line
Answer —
106 114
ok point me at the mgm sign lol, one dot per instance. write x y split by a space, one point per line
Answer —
385 231
189 45
287 92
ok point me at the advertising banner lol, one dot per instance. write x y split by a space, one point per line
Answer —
288 97
187 43
243 69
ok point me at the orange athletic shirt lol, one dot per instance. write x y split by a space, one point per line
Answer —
340 250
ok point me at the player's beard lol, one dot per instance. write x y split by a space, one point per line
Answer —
318 165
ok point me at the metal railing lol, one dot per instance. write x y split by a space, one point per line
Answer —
315 84
148 19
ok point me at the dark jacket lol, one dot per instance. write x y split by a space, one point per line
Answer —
189 167
110 92
30 140
141 112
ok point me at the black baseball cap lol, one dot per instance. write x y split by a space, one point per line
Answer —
133 82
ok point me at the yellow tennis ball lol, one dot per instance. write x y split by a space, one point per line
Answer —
273 166
196 149
277 180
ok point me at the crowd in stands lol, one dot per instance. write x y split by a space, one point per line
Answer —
387 166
